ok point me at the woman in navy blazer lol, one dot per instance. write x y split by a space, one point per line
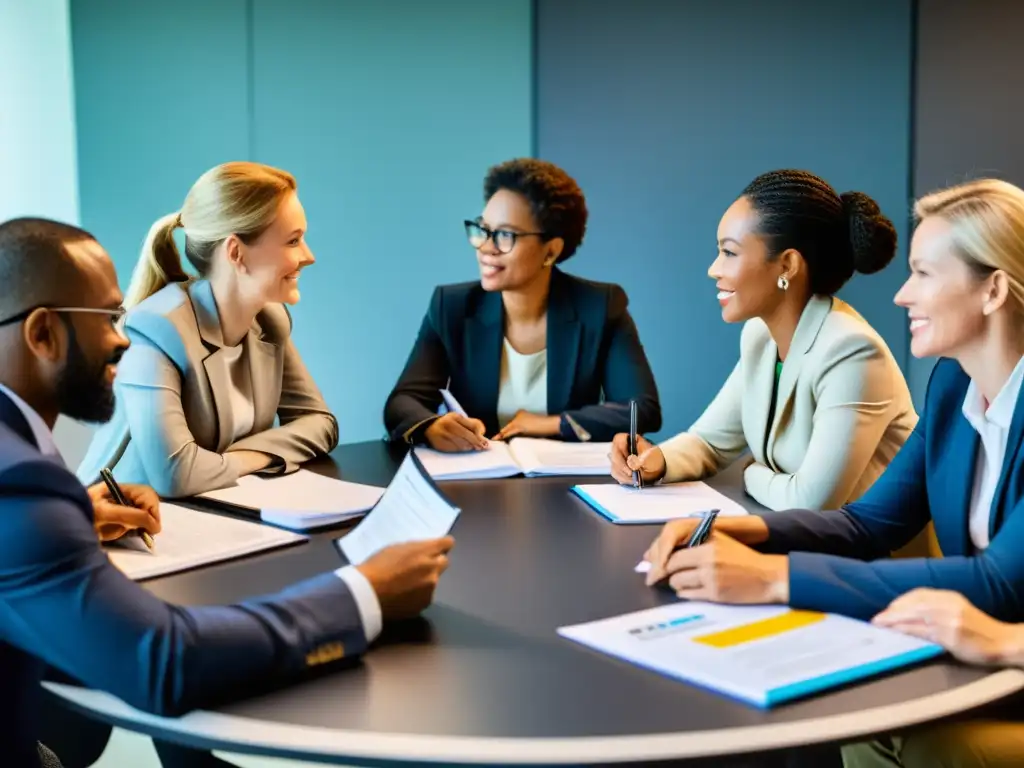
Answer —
962 467
529 349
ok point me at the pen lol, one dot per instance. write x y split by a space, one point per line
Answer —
638 475
453 405
700 535
703 530
118 497
581 434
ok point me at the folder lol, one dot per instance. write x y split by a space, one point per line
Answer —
625 505
530 456
300 501
761 655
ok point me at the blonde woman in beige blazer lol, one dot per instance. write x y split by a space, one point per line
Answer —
816 399
211 364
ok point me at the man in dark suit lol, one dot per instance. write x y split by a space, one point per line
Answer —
62 603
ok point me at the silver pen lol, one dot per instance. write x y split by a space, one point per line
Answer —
581 434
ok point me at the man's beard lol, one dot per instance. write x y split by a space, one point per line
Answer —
82 390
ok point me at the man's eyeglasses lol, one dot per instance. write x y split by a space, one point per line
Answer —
115 314
504 239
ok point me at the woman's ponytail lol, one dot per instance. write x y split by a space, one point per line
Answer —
159 263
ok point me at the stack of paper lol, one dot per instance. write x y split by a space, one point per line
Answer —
765 655
625 505
528 456
191 538
299 501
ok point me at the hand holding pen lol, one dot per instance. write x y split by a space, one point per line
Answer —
700 563
649 461
119 510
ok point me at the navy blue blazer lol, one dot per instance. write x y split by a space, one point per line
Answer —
593 351
63 604
931 478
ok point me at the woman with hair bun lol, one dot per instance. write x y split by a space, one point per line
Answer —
816 398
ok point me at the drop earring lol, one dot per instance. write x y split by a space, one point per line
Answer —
783 283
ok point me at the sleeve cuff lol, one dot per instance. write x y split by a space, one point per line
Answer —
277 466
366 601
754 477
414 434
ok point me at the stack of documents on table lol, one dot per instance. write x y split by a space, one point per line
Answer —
411 509
625 505
528 456
299 501
764 655
190 538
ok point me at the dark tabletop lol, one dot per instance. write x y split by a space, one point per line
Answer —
486 661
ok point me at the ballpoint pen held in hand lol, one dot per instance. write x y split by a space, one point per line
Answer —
118 496
638 475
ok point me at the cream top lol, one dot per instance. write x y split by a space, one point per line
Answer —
243 413
523 384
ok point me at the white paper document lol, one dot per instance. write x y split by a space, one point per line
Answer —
764 655
538 456
411 509
626 505
533 457
190 538
299 501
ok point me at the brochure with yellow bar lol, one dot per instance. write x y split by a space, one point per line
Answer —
764 655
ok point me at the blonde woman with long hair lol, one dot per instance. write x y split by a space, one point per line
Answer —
211 363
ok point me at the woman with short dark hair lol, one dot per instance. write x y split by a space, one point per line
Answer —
527 349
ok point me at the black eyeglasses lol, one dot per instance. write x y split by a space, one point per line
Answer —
115 314
504 239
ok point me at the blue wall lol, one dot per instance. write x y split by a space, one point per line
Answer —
388 112
161 95
665 111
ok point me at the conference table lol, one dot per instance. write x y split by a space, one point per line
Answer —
483 678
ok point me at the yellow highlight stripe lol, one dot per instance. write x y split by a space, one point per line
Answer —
759 629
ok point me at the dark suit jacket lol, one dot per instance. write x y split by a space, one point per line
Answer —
931 478
593 350
64 605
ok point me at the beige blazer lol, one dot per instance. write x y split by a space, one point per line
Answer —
172 426
843 411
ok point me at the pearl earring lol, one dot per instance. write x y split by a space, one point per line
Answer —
783 283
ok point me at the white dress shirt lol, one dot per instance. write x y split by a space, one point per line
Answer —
361 589
523 385
993 426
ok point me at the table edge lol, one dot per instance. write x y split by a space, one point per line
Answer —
298 740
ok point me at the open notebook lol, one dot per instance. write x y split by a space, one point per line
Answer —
300 501
191 538
528 456
625 505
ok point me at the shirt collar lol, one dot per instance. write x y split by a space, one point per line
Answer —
41 432
1000 411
